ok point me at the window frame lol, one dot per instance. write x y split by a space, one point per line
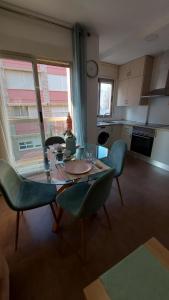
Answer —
110 81
35 60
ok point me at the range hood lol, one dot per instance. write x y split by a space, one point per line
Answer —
161 91
160 77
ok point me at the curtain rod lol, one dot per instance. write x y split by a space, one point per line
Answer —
32 16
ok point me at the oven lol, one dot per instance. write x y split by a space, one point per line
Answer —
142 140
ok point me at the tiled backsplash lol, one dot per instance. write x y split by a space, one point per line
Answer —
159 112
136 113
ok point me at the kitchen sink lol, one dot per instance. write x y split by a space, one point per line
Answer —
109 121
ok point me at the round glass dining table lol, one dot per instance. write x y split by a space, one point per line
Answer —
54 171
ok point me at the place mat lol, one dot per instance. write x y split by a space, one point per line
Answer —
77 167
139 276
60 174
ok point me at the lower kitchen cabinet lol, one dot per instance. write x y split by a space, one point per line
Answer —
126 134
116 132
121 132
160 150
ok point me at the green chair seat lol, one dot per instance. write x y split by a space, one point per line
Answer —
84 199
34 194
116 157
115 160
72 198
108 161
22 195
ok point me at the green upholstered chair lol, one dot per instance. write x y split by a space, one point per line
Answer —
22 195
54 140
49 142
115 160
84 199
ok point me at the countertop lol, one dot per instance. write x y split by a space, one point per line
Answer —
132 123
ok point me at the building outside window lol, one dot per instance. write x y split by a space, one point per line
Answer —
105 97
25 145
18 111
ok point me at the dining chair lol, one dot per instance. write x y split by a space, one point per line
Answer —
54 140
22 195
84 199
115 160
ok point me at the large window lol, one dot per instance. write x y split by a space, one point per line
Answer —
22 106
105 97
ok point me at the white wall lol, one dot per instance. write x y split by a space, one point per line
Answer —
92 90
159 111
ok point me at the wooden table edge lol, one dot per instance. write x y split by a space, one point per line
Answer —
96 290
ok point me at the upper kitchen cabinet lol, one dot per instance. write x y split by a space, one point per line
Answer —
132 69
134 81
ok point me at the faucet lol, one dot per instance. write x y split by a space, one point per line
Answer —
106 114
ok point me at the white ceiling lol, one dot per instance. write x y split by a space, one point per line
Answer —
122 25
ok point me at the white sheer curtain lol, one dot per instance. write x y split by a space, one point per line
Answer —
5 141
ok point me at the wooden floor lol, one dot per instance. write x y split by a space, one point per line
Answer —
47 266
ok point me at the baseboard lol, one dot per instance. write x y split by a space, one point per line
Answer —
149 160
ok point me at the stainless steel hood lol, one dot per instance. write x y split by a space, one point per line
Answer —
159 92
160 77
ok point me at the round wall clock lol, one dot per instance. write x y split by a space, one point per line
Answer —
92 68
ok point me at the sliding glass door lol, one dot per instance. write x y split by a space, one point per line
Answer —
21 113
54 84
20 83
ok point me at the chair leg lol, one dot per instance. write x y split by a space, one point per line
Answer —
83 239
118 185
107 216
17 230
60 214
56 225
53 212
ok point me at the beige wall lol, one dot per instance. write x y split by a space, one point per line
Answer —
108 71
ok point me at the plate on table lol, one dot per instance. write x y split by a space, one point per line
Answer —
76 167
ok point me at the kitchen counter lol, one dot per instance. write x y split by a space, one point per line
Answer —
132 123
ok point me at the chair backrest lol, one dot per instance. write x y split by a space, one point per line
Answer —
54 140
10 183
97 194
117 156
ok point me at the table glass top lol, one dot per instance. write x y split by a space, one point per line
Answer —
53 168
